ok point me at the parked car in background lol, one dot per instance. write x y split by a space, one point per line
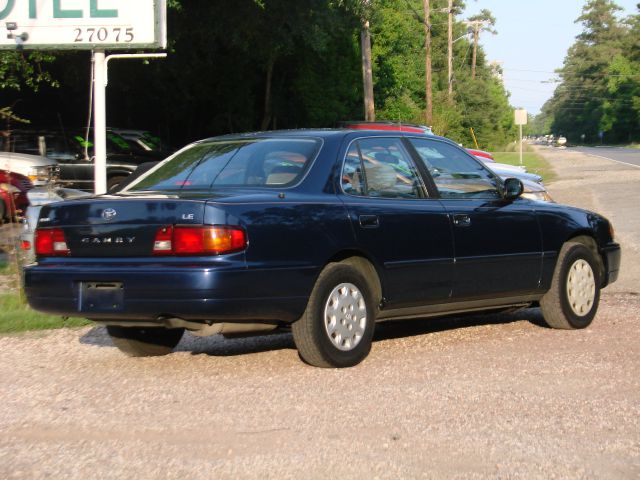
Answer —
388 127
481 154
325 232
36 168
145 140
73 152
13 194
488 158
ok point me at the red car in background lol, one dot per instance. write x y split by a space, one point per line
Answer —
13 194
388 126
486 156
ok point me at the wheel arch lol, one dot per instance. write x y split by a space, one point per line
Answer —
588 240
364 263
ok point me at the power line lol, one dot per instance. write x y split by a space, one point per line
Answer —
571 71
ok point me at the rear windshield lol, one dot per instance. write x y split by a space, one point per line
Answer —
264 162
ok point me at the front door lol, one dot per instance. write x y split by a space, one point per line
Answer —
498 245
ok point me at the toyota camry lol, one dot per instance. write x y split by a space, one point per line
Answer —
321 232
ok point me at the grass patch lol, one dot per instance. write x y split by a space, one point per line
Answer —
534 163
16 316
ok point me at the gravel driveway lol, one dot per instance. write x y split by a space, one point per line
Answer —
475 397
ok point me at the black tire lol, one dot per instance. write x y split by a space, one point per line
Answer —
315 344
558 308
113 182
145 341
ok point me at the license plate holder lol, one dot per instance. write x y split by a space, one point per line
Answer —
101 297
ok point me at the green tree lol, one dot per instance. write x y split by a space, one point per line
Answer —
599 80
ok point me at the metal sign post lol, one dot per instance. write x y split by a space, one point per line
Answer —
99 122
100 81
75 25
520 120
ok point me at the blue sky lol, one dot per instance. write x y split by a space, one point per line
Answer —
532 41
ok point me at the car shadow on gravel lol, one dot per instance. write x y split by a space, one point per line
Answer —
215 345
410 328
218 346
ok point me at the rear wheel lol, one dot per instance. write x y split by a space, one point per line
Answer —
572 301
145 341
337 326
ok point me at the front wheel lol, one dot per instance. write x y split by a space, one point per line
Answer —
572 301
336 329
145 341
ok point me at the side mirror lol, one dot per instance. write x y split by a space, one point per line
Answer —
513 188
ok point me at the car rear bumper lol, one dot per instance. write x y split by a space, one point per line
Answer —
155 293
611 255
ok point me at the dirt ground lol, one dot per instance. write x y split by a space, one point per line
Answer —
493 396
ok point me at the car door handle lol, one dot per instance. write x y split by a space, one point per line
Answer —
369 221
462 220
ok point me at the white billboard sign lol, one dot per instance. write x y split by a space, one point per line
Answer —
82 24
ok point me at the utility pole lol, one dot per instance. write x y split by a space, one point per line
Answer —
450 51
367 70
476 27
367 73
428 90
476 36
484 21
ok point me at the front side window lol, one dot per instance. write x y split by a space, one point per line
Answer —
268 162
455 173
380 167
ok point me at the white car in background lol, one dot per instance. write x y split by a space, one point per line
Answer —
38 169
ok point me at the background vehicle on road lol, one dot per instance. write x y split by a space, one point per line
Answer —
325 232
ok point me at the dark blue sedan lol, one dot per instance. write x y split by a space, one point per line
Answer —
325 232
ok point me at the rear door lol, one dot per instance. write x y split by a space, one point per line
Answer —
396 223
498 244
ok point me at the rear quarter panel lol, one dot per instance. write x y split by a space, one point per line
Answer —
290 239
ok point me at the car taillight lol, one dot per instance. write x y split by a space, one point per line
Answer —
51 242
206 240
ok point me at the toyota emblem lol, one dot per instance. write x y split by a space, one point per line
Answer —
109 213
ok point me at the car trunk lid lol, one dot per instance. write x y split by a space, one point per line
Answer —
119 227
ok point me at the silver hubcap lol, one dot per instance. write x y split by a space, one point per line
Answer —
345 316
581 287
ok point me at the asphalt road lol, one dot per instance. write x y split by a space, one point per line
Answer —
629 156
607 186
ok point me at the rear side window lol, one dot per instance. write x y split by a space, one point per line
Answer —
380 167
265 162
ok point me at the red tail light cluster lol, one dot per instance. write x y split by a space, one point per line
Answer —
205 240
51 242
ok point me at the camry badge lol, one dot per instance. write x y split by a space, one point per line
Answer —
109 213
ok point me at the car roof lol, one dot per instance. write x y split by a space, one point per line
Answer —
326 134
